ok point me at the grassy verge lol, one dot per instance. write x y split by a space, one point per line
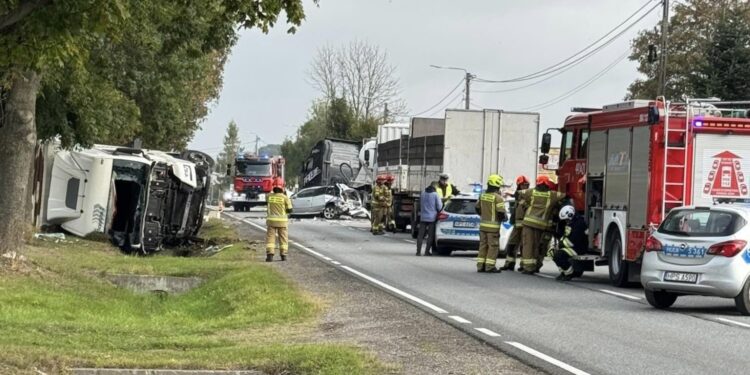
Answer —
65 314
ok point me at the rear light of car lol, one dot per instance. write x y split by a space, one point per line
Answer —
442 216
727 249
652 244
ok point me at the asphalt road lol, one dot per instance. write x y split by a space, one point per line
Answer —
583 326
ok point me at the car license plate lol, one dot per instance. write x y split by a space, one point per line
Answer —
681 277
464 224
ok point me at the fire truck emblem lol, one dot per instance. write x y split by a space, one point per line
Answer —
725 178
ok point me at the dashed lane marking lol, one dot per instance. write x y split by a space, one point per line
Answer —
336 263
410 241
623 295
459 319
396 290
733 322
547 358
488 332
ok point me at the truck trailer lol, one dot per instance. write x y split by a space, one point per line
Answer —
467 144
628 164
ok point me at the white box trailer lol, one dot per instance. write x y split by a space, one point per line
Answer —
469 145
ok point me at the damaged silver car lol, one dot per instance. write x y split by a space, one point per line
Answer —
328 201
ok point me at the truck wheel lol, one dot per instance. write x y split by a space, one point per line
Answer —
329 213
742 301
660 300
618 267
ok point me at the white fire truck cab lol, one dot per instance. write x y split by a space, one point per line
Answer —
626 165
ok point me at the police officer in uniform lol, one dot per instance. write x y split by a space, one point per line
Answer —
541 200
516 218
445 189
491 208
278 207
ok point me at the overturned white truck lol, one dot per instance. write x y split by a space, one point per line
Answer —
141 199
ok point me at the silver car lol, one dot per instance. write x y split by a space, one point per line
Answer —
328 201
699 251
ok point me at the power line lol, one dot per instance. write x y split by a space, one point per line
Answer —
579 87
575 61
440 101
456 101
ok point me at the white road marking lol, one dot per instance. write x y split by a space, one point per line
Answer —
335 262
459 319
410 241
396 290
327 258
734 322
547 358
623 295
488 332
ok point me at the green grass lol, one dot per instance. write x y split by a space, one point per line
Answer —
65 314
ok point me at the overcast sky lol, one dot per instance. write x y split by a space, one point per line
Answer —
267 91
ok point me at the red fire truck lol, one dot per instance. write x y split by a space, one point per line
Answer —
253 179
627 164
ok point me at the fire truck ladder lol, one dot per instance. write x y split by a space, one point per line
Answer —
675 160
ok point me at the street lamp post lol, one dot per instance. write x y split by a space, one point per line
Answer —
467 82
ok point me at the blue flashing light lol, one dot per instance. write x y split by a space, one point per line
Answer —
698 121
477 187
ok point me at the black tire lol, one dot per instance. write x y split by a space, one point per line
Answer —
742 301
577 273
660 300
329 213
618 267
442 251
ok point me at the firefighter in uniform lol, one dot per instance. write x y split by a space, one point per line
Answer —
389 218
516 218
378 205
540 202
491 208
573 241
278 208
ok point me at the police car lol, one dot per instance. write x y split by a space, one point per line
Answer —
458 226
699 251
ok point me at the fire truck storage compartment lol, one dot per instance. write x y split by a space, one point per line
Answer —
720 164
597 153
639 177
618 169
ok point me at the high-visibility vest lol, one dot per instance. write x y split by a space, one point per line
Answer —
448 191
540 205
276 212
489 205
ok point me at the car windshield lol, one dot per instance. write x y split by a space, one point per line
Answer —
702 223
253 169
461 206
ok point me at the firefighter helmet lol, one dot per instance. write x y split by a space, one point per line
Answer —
380 178
544 180
389 178
495 180
522 180
567 212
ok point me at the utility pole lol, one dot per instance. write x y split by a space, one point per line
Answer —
663 57
467 89
257 140
385 114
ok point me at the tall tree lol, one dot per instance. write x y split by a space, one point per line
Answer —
361 74
229 152
79 52
726 73
691 31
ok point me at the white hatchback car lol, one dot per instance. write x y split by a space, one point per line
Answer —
699 251
458 226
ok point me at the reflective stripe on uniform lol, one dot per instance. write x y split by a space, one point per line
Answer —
538 219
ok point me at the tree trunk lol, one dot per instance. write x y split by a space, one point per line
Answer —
17 142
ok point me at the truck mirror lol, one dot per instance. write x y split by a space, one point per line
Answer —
543 159
229 169
546 143
653 115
